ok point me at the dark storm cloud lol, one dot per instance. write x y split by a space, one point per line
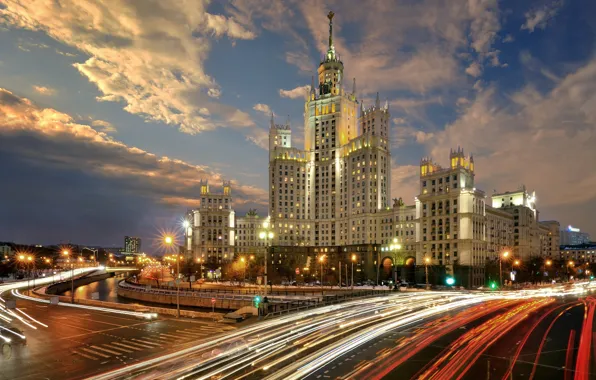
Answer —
79 174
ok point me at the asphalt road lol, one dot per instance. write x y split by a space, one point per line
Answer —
495 361
78 343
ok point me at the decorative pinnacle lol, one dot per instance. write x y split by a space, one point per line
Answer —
330 17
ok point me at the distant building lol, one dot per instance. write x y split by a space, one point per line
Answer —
550 242
210 235
248 228
573 236
132 244
5 252
579 254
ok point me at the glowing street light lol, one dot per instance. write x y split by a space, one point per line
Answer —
501 256
353 259
169 240
426 262
266 236
322 260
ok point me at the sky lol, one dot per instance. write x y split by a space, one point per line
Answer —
113 111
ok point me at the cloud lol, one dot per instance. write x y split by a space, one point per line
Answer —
44 90
214 93
540 17
474 70
63 143
295 93
301 60
147 54
404 182
104 126
412 46
403 134
264 108
530 136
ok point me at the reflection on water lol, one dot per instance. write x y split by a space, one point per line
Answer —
106 289
107 292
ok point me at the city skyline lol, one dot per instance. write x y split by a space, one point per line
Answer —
79 165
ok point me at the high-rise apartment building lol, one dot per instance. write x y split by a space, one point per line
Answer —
573 236
248 228
451 218
526 235
132 244
210 235
329 192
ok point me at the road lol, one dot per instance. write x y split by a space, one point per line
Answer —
416 335
439 335
77 343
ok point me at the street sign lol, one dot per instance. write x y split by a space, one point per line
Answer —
212 300
54 300
297 270
192 278
95 295
11 304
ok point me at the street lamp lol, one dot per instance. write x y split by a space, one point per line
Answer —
353 259
546 263
266 236
503 255
322 260
426 262
201 266
66 253
243 269
169 240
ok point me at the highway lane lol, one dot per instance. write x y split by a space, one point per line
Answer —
78 342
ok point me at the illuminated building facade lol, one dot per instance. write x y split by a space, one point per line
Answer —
451 219
330 192
248 228
573 236
210 235
132 244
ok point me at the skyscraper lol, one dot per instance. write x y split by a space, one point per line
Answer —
326 194
132 244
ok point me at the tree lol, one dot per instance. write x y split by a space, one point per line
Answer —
154 273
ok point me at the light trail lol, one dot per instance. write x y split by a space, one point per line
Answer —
16 293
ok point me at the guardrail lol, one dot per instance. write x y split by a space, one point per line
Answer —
336 299
316 290
185 293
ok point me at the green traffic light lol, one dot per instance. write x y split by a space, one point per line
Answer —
450 281
493 285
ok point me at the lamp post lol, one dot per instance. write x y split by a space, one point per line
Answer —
321 260
545 264
243 260
426 262
200 266
501 256
266 236
353 259
569 264
169 241
66 253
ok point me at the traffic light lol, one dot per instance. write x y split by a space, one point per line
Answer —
591 277
257 301
493 285
450 281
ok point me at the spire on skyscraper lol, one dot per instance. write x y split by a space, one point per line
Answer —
378 102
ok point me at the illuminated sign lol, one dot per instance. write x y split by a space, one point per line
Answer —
572 229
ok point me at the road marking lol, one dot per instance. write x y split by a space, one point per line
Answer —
135 344
106 350
103 331
195 333
93 352
146 342
171 336
127 346
84 355
119 348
